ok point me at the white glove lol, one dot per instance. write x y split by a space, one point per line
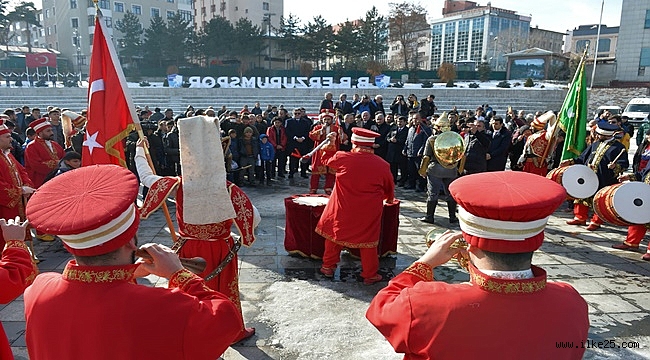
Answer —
13 229
28 190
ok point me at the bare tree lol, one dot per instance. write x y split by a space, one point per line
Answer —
408 27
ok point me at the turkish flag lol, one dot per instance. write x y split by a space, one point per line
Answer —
40 60
111 114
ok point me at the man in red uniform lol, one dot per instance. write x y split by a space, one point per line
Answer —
635 233
43 154
508 310
319 134
206 207
352 216
17 271
532 160
95 309
14 182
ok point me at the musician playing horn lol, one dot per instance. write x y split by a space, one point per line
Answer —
95 309
607 157
504 311
319 134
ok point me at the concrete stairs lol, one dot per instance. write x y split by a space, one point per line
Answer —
530 100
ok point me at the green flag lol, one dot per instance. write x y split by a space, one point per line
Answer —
573 115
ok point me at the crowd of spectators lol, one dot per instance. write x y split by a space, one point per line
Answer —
263 145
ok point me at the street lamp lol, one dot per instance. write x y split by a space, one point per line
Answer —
496 65
267 17
77 45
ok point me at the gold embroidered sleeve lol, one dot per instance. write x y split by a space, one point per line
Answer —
52 164
420 270
16 244
14 193
181 278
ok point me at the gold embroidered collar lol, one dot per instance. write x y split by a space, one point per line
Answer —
98 274
509 286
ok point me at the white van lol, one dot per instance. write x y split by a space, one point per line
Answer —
637 109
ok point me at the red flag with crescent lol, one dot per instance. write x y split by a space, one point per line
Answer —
111 114
40 60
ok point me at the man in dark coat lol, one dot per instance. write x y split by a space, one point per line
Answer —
297 130
497 155
396 139
343 105
476 150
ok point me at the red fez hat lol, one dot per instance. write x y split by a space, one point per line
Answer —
512 217
92 209
40 125
4 129
326 113
363 137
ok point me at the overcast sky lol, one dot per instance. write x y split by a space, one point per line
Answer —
556 15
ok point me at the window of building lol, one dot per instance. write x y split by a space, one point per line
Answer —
645 57
170 14
91 37
73 4
108 21
203 10
47 13
54 29
105 4
581 45
641 71
647 19
170 1
213 8
136 9
74 22
48 31
75 41
41 32
119 6
265 6
53 11
155 12
604 45
186 2
91 20
236 8
186 15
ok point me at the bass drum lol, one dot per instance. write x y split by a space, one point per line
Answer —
579 181
624 204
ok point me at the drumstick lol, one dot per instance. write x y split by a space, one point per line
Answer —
616 158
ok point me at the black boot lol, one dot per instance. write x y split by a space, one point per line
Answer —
431 209
451 206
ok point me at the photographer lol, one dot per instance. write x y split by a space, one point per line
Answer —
399 107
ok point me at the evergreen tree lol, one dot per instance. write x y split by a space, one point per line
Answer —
318 37
217 38
248 43
347 44
155 42
131 41
25 13
291 42
374 34
179 33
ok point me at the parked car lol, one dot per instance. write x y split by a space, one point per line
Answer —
637 110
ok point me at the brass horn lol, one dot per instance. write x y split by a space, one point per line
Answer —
449 149
461 258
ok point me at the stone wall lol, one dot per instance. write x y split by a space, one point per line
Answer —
614 96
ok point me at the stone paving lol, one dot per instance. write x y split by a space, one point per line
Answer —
302 315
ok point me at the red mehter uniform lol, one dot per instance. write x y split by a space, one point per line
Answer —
99 312
319 134
109 316
533 159
17 271
12 178
213 242
352 216
41 156
499 314
482 319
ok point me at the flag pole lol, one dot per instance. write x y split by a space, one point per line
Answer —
138 126
552 139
